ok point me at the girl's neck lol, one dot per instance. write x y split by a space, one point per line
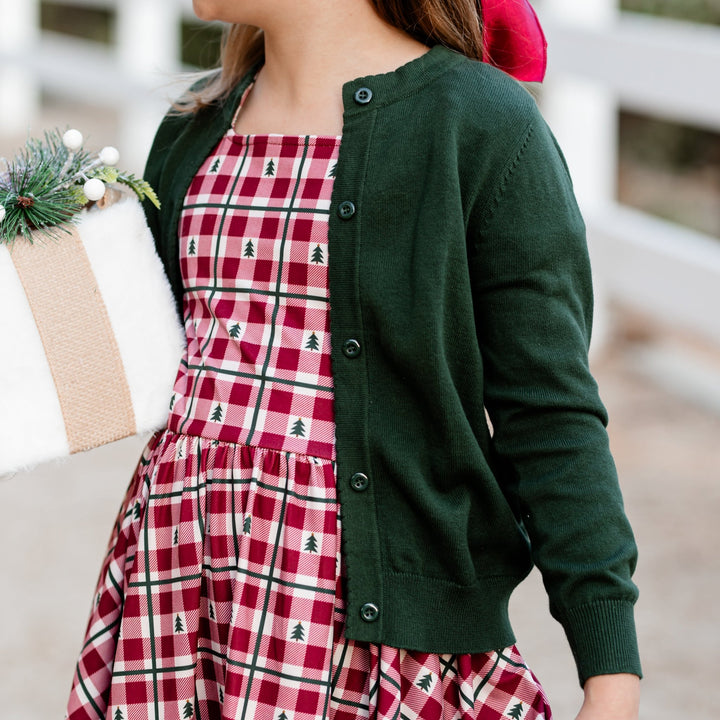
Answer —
299 88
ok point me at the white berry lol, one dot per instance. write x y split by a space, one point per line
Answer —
94 189
73 140
109 156
2 213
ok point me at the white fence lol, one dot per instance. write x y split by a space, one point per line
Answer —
600 60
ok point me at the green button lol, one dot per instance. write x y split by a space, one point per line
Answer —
359 482
369 612
346 210
351 349
363 95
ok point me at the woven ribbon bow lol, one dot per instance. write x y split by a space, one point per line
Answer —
514 40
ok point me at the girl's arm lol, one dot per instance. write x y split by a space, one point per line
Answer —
533 309
611 697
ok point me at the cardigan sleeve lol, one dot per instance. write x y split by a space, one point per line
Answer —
533 306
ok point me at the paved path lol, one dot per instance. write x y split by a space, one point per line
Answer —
56 521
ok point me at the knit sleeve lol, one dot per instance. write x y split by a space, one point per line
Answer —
533 305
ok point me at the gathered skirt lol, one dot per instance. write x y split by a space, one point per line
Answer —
221 598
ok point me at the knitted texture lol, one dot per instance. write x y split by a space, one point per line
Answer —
459 280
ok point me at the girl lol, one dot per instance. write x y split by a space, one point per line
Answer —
372 238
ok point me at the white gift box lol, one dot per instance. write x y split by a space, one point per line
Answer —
90 342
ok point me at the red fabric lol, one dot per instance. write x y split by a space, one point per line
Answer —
254 260
221 598
514 39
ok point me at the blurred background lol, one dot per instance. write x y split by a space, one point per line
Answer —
633 96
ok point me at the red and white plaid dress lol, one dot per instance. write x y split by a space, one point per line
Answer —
221 597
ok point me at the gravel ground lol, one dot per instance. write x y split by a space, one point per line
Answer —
58 517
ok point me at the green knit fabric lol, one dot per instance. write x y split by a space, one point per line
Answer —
463 274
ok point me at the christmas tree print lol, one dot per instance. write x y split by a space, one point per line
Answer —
235 331
311 545
270 168
425 682
317 256
220 693
212 612
516 712
118 715
176 537
249 249
178 624
312 343
136 510
298 632
298 428
191 248
333 171
282 716
217 414
215 166
97 599
246 525
188 710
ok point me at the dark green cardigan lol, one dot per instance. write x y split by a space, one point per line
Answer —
459 267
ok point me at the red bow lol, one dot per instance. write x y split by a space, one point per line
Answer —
514 40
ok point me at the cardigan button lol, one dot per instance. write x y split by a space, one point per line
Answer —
351 349
359 482
363 96
369 612
346 210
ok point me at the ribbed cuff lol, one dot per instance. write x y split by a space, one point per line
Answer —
603 639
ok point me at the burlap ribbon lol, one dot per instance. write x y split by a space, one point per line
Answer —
79 342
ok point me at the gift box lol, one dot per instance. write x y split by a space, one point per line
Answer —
91 341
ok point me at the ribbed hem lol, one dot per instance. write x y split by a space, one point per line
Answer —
603 639
434 616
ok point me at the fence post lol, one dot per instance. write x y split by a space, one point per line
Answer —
148 49
583 116
19 89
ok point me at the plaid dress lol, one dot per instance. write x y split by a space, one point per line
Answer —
221 595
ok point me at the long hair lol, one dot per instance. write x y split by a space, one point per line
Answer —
456 24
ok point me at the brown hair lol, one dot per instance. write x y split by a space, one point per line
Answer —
457 24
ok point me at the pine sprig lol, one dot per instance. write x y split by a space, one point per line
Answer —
52 179
140 187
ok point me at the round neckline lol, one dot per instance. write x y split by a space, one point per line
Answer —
274 138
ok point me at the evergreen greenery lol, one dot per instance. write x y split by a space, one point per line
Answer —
42 186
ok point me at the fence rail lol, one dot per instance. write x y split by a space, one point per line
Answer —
600 60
